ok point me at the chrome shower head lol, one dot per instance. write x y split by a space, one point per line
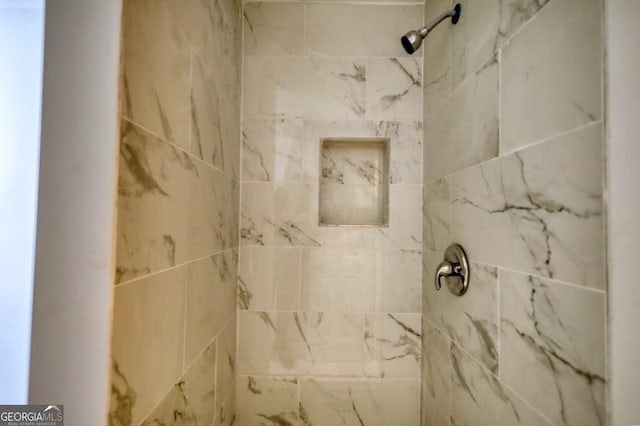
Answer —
412 40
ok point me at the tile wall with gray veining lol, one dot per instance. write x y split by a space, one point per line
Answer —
329 322
513 133
175 305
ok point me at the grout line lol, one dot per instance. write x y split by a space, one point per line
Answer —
339 3
185 273
241 253
189 119
306 377
550 138
191 364
176 266
486 370
499 320
174 146
304 30
533 275
516 151
307 311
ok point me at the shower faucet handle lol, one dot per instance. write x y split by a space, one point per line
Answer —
445 269
455 269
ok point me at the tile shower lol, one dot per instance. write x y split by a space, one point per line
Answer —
329 322
235 303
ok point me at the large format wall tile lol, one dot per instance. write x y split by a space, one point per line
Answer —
213 212
147 344
436 232
471 320
206 117
538 211
300 343
279 215
152 202
192 400
436 51
552 74
226 415
304 87
360 280
156 71
392 344
359 30
272 151
267 401
553 344
356 403
226 364
436 374
213 28
274 29
394 89
269 278
479 399
483 28
464 131
209 281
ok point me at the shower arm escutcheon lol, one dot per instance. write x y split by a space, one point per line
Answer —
454 269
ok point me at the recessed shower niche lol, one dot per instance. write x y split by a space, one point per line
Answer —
354 182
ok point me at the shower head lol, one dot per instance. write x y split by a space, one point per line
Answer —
412 40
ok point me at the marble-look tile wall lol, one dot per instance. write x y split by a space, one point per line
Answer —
513 172
329 320
174 325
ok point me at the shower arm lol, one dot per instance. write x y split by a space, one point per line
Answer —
431 25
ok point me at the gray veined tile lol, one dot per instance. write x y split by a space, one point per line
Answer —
152 203
436 215
226 415
267 401
299 343
359 29
271 344
394 89
551 74
274 28
147 342
206 136
479 399
360 280
436 374
304 87
472 320
436 51
272 150
226 363
357 403
492 23
156 71
269 278
464 130
192 400
213 206
553 347
392 342
405 223
123 397
538 211
209 280
293 223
